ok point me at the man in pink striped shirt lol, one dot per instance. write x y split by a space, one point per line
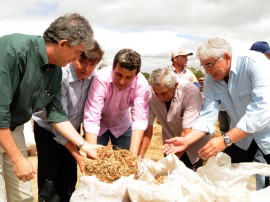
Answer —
117 104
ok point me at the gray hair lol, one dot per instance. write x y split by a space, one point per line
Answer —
213 47
163 77
128 59
72 27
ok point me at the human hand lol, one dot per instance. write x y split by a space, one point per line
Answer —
81 162
174 145
23 169
91 150
213 146
141 155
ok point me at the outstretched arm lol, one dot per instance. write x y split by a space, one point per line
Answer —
179 144
69 132
217 144
76 154
146 140
136 140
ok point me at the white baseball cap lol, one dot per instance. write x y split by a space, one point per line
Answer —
180 51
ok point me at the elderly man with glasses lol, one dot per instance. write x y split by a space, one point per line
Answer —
241 84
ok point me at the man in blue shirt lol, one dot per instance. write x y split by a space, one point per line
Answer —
261 181
241 84
262 47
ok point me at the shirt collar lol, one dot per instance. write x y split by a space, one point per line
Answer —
183 71
73 76
43 56
233 65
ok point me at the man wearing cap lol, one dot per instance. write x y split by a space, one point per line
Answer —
263 47
179 63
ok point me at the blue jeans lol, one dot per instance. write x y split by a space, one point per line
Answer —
123 141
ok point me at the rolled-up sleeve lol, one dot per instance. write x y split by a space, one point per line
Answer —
193 107
256 98
64 100
93 107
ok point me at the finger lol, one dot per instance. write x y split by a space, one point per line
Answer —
165 146
170 140
169 151
204 148
207 154
32 176
164 150
23 178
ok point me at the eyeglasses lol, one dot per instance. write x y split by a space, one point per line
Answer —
78 52
211 65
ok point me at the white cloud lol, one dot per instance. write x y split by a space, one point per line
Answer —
152 27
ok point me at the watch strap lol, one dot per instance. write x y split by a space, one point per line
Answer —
82 142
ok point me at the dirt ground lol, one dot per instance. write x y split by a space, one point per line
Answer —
153 152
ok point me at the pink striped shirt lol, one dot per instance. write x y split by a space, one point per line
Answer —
107 107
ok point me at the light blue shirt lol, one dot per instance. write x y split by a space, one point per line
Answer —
74 93
246 99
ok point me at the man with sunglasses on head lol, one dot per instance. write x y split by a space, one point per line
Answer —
241 83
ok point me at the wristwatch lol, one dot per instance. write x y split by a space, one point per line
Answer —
82 142
227 139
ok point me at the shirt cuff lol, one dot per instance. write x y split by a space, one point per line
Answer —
139 125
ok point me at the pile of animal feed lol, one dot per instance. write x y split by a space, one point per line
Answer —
111 164
159 179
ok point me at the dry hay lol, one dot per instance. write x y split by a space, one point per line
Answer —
154 150
111 164
159 179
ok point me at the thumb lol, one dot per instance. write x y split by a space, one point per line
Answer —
171 140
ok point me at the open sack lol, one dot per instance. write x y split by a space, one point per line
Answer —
218 180
91 189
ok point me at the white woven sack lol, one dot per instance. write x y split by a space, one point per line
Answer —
91 189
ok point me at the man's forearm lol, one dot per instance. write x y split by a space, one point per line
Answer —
76 154
193 136
67 130
73 150
9 145
91 138
136 140
146 140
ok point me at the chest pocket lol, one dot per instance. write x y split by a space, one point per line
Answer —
245 96
226 101
124 104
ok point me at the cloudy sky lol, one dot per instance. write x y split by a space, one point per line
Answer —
151 27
